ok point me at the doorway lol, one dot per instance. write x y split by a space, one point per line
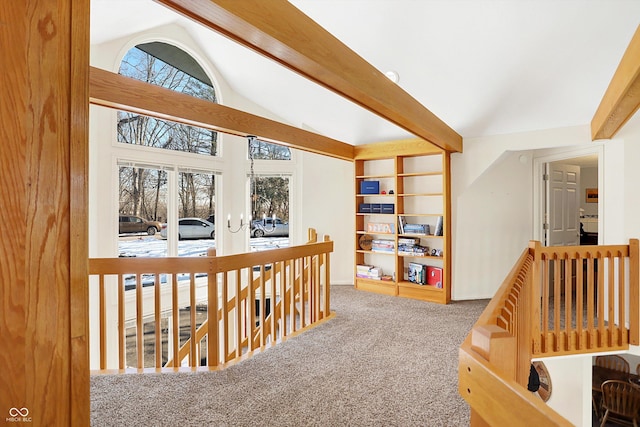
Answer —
564 205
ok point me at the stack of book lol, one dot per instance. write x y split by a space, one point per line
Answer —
368 272
382 245
411 247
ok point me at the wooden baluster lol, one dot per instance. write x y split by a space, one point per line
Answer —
634 293
213 325
139 324
601 298
156 318
622 335
175 322
192 316
121 327
591 301
239 317
580 344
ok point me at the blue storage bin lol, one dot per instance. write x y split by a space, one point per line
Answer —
370 187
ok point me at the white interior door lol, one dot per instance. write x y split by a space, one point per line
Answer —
563 203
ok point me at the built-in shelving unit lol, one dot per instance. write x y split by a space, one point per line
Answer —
403 183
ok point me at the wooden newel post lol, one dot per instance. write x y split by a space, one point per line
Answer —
497 346
534 298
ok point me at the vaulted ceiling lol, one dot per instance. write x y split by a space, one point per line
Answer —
484 67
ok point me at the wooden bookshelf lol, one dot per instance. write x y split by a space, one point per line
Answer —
417 183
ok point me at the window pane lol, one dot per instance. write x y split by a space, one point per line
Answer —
143 209
261 150
270 197
196 207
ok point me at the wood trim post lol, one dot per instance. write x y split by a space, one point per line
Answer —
534 301
634 292
43 185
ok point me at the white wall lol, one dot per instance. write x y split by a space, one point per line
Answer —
326 203
489 186
571 387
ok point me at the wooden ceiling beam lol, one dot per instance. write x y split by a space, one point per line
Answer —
115 91
622 98
280 31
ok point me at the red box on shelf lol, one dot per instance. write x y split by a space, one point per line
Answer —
434 276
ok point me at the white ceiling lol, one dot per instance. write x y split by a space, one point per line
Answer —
485 67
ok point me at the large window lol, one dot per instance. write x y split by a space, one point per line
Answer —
153 195
269 198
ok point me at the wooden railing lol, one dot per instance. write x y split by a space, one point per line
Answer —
555 301
259 298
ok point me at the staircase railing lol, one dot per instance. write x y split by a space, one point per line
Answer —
555 301
259 298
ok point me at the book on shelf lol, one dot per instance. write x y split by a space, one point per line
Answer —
369 272
408 241
417 273
382 245
380 227
413 250
439 227
421 229
434 276
401 224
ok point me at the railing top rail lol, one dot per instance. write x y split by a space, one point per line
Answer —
165 265
581 252
203 264
239 261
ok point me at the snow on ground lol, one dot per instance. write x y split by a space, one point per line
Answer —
143 245
151 246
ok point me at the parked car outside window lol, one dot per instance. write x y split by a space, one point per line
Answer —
269 227
192 228
136 224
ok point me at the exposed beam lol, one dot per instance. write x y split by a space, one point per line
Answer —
124 93
280 31
622 98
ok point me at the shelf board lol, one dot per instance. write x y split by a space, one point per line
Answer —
429 236
418 215
419 194
376 233
412 174
371 213
375 195
392 176
421 257
376 253
427 288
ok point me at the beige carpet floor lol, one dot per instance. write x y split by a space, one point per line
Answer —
382 361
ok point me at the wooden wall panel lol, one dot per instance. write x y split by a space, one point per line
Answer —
43 105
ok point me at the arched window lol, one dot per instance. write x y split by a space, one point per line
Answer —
145 187
167 66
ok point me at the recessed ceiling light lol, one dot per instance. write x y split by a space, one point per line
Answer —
393 76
